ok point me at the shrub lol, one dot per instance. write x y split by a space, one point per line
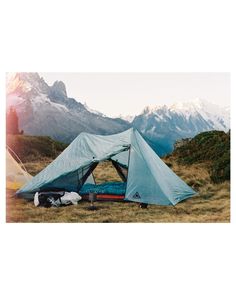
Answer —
212 147
33 148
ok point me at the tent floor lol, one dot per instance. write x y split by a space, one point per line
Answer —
102 197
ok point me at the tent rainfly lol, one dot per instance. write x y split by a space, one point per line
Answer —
148 179
16 177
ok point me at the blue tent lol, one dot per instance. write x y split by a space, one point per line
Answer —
148 179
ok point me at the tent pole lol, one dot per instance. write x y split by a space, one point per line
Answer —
86 175
23 166
78 184
119 171
128 170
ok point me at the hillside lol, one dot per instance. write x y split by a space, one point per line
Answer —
34 148
212 204
211 148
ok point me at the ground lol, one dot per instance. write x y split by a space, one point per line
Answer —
211 205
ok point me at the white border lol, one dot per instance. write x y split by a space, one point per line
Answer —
144 36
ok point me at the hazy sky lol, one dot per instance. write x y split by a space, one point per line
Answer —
128 93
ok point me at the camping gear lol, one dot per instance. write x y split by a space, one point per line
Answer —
107 188
143 205
92 198
105 197
56 199
148 179
108 191
16 177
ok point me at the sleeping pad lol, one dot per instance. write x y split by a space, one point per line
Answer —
107 188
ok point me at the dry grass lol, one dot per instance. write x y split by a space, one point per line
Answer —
211 205
105 172
35 167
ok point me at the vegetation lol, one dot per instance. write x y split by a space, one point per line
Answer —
40 147
212 204
212 147
12 122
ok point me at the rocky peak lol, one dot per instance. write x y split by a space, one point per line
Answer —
58 91
29 77
146 110
22 83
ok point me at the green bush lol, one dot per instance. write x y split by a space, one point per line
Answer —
221 168
211 147
34 148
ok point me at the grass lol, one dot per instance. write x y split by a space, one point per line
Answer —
211 205
211 146
39 147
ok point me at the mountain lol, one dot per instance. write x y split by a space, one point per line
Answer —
166 124
47 110
128 118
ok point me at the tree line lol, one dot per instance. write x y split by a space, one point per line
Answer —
12 122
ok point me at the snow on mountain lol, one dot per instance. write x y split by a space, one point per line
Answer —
128 118
93 111
47 110
216 117
165 124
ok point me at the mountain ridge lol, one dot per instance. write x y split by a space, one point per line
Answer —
166 124
47 110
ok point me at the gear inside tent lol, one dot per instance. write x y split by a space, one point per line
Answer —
146 178
16 177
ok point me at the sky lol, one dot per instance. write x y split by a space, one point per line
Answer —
125 94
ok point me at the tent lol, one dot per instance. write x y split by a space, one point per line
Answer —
16 177
148 179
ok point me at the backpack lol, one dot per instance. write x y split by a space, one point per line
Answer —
48 199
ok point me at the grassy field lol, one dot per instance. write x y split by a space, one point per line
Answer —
211 205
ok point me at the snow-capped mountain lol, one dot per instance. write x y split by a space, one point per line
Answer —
165 124
128 118
47 110
93 111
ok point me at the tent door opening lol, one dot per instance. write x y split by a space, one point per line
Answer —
108 171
